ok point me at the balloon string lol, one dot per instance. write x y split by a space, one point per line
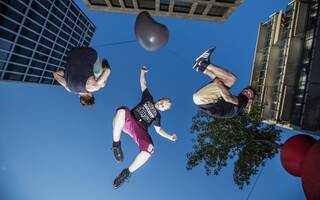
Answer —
114 43
254 185
183 59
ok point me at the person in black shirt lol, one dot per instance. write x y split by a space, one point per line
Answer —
135 123
215 98
84 74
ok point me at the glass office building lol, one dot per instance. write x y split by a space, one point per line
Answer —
36 35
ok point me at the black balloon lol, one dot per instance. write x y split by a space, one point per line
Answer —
150 34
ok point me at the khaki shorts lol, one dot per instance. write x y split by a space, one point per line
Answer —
208 94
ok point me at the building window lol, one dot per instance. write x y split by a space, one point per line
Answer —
64 36
200 8
48 74
37 64
22 51
40 56
10 13
9 24
49 35
38 8
12 76
19 59
3 55
54 61
60 6
45 4
74 9
34 72
36 17
98 2
57 12
182 7
46 81
32 79
16 4
5 45
164 5
51 27
33 26
146 4
46 42
217 11
7 35
54 20
43 49
51 68
226 1
16 68
128 3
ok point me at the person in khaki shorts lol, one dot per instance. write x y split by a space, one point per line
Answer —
215 98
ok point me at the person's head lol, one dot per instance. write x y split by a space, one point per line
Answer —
250 93
163 104
87 99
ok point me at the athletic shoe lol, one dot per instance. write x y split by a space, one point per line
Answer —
117 151
203 60
105 64
123 176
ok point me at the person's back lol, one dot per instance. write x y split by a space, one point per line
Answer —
79 67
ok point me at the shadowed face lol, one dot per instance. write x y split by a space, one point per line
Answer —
163 104
248 93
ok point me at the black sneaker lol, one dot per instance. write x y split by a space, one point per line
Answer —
117 151
105 64
203 60
123 176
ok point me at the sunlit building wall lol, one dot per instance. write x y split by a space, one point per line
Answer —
218 10
286 67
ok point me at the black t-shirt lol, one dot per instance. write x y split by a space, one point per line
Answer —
145 112
223 109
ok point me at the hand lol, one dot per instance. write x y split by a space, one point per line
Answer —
144 69
173 137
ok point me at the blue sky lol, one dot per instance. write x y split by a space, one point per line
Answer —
51 148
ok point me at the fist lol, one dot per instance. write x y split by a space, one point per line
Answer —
174 137
144 68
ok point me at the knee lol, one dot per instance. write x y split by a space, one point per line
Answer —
233 79
150 149
196 99
120 112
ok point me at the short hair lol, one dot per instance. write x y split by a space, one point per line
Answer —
252 89
87 100
165 99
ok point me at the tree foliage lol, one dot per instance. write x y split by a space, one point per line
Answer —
245 139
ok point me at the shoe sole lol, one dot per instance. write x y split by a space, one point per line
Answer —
205 53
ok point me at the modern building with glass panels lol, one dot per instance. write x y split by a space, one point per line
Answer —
36 35
216 10
286 68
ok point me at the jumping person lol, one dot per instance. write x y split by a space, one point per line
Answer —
84 74
135 123
215 98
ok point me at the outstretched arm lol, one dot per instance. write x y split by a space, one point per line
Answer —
103 77
59 76
226 95
143 81
164 134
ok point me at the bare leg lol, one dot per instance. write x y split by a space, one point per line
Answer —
118 123
141 158
213 71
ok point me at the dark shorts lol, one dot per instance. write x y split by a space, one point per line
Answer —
137 132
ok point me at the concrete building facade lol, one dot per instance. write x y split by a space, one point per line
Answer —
210 10
286 67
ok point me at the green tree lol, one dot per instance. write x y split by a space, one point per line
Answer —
245 139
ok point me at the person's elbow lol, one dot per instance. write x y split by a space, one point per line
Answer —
158 129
